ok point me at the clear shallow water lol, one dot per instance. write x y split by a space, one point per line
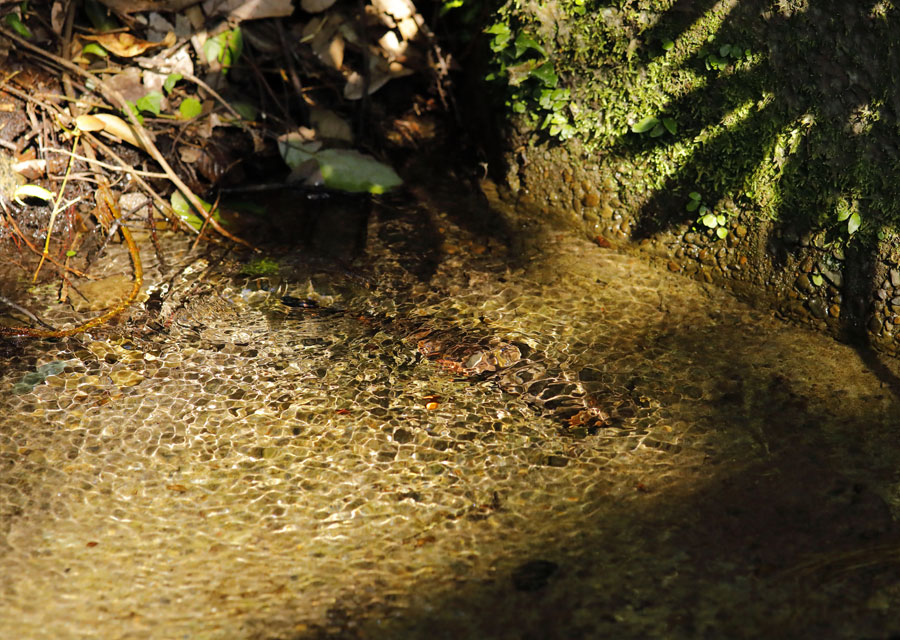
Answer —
254 470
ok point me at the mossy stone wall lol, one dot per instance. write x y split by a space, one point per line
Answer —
754 144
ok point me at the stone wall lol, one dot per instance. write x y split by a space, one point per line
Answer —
850 293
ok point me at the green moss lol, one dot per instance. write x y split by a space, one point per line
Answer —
260 267
782 109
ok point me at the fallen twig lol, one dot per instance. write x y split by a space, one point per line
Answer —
117 101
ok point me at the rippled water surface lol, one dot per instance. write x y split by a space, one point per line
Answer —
451 430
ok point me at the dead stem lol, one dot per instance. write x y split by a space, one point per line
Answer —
116 100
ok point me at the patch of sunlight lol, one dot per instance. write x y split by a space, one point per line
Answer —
762 186
863 118
694 37
738 115
881 9
789 8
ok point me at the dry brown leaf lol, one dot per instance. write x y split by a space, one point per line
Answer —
238 10
325 37
190 155
89 123
127 82
31 169
57 18
126 7
409 27
126 45
398 8
110 124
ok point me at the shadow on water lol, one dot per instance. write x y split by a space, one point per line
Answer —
778 530
787 543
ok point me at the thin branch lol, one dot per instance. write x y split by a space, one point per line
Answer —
115 98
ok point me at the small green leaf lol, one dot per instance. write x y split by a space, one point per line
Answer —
546 74
704 210
213 50
693 195
501 37
724 50
349 170
152 102
225 48
95 50
134 110
658 130
190 108
498 28
667 44
185 211
645 125
524 42
747 53
817 279
170 81
721 219
692 205
71 253
518 107
722 232
843 214
15 23
853 223
670 125
710 221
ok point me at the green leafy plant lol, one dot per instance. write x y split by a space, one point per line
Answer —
849 211
183 210
170 81
716 59
190 108
532 83
224 48
15 23
151 103
654 126
342 169
94 49
706 217
260 267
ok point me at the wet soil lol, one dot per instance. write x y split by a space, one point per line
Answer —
225 465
